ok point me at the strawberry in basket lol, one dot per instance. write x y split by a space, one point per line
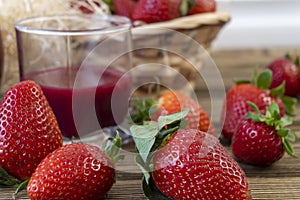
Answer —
149 11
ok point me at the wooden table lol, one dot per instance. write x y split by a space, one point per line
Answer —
279 181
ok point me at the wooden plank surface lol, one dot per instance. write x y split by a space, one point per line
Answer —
277 182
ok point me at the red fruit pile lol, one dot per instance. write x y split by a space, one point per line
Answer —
150 11
258 138
236 107
31 151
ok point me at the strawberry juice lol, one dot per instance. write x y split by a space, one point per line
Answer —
58 87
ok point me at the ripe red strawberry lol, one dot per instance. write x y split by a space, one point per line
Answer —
76 171
262 139
124 7
151 11
236 107
171 102
28 130
202 6
286 70
187 164
174 101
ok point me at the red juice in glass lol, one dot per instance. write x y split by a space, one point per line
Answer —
58 87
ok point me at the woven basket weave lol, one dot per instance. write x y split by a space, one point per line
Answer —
177 34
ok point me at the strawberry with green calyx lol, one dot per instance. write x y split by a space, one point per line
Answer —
202 6
286 69
151 11
262 139
75 171
256 90
29 132
171 102
185 163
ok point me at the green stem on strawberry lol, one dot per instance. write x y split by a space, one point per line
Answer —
6 180
21 186
141 109
272 118
184 7
263 81
112 146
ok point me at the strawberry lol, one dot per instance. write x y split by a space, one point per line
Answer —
202 6
124 7
186 163
74 171
285 70
151 11
28 130
171 102
235 106
262 139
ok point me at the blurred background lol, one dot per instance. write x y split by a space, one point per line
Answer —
259 24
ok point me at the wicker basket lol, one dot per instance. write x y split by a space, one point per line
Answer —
172 44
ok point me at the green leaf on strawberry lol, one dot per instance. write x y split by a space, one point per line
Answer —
21 186
112 146
272 118
278 91
145 135
168 102
167 120
142 109
288 102
7 180
151 191
144 138
263 81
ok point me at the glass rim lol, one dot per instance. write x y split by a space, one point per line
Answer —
121 24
